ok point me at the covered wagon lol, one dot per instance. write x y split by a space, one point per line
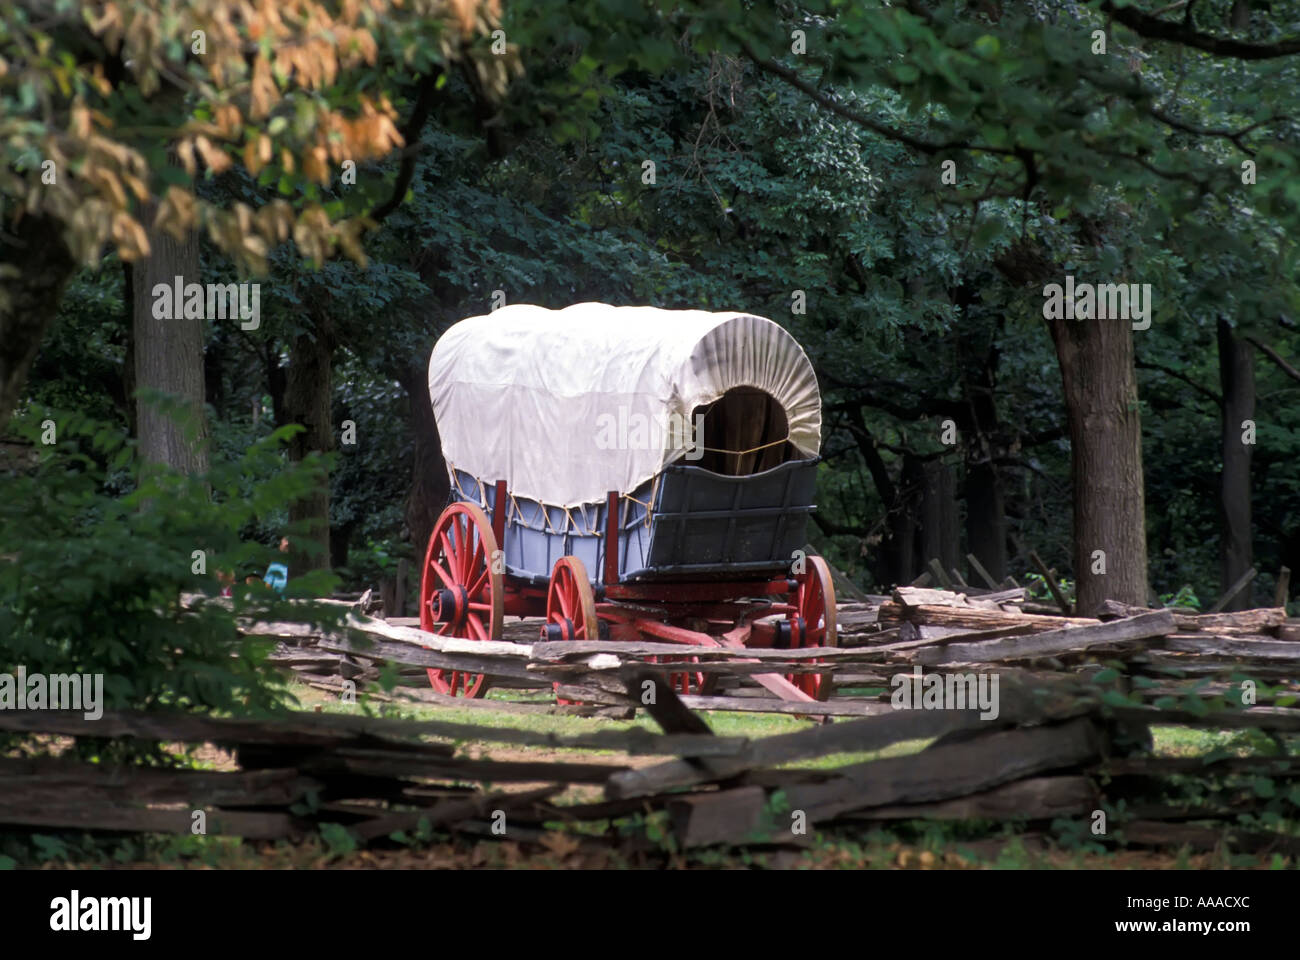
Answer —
627 473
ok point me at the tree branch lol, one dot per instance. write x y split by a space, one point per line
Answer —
1273 355
848 113
1168 371
411 135
1153 28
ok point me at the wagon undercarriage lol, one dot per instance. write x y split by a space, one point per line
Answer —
466 592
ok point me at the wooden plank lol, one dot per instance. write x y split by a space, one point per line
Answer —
1260 648
30 778
953 770
1283 589
1141 627
728 816
977 618
388 763
979 569
379 629
1238 585
1052 585
1035 798
473 662
79 814
937 569
324 730
927 635
1243 621
916 596
559 652
1020 701
831 708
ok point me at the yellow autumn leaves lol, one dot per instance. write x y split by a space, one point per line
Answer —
244 82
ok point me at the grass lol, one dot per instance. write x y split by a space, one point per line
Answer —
723 724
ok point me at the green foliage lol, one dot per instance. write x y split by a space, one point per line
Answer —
107 567
338 839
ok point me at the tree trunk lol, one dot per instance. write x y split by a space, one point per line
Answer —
986 518
430 488
1237 378
1100 389
29 298
938 533
168 355
904 537
307 396
982 433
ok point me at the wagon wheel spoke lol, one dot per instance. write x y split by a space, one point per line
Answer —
443 575
458 548
476 628
475 587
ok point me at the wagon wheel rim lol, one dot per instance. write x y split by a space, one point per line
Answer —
571 606
461 595
814 605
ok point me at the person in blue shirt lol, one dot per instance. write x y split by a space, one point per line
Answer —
277 574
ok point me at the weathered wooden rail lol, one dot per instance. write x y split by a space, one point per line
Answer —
879 639
1055 750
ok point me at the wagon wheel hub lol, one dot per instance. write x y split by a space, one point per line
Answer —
449 604
560 630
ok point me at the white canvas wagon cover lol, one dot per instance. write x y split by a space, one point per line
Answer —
566 405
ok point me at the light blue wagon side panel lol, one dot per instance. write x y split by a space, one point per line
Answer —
700 523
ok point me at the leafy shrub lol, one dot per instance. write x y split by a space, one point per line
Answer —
125 584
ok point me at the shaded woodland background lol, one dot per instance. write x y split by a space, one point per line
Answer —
780 165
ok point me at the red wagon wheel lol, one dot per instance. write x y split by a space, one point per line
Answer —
812 623
460 593
570 607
